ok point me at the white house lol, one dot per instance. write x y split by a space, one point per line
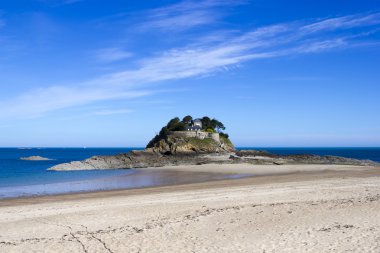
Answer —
196 125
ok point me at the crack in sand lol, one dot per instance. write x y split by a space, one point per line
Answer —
8 243
63 238
98 239
79 241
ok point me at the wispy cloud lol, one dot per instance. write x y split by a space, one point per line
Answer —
186 14
36 103
345 22
204 57
112 54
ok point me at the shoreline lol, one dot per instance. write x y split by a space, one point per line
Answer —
137 179
314 210
307 211
259 178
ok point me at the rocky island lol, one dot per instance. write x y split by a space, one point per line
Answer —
194 142
35 158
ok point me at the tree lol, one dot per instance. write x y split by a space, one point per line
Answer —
208 125
218 125
175 125
206 122
180 126
172 123
224 135
164 131
187 119
213 123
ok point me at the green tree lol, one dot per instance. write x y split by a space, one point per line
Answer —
218 125
187 119
213 123
172 123
175 125
206 122
224 135
208 125
164 131
180 126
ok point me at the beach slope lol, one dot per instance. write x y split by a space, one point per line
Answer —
305 209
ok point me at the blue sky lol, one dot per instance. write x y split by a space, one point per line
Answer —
111 73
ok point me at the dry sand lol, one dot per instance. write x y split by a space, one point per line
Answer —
305 208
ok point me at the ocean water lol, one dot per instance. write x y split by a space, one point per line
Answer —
20 178
31 178
15 172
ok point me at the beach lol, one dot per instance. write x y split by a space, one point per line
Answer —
189 126
286 208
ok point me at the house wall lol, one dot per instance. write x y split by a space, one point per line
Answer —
196 134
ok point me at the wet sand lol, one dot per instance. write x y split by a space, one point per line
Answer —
313 209
141 178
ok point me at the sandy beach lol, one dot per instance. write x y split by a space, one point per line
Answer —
287 208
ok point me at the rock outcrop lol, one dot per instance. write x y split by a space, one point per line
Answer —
148 158
264 157
175 143
134 159
35 158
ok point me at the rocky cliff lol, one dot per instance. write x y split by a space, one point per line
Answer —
176 144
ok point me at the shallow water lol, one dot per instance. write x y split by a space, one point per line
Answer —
31 178
128 180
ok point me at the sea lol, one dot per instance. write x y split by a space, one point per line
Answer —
20 178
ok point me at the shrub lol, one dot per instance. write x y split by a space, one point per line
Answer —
224 135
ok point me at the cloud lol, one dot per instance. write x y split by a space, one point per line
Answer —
205 57
36 103
317 46
112 54
185 15
345 22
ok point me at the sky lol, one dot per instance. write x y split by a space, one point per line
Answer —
277 73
